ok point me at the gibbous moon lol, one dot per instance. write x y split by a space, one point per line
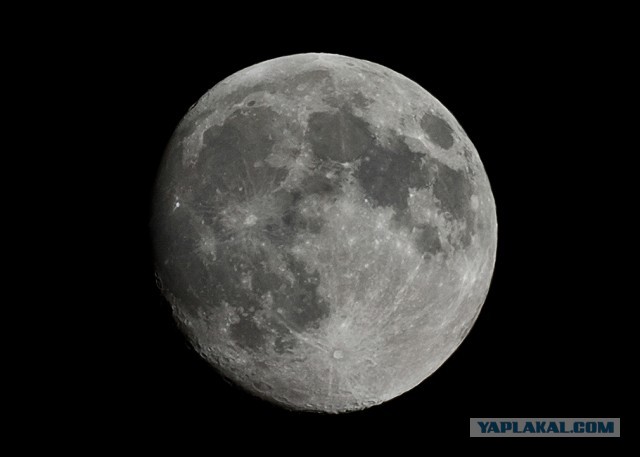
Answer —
324 231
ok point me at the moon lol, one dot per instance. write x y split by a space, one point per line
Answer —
324 230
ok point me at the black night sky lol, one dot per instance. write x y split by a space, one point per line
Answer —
546 343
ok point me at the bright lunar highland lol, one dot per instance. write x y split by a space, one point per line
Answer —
324 230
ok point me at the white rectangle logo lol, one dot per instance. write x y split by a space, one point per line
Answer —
523 427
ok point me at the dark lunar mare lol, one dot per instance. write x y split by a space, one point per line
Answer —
438 130
295 303
226 164
387 172
225 173
338 136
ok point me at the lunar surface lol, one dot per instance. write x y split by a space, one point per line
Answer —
324 231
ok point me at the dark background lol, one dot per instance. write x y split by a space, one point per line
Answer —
532 98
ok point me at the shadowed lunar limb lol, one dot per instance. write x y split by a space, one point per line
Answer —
324 231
